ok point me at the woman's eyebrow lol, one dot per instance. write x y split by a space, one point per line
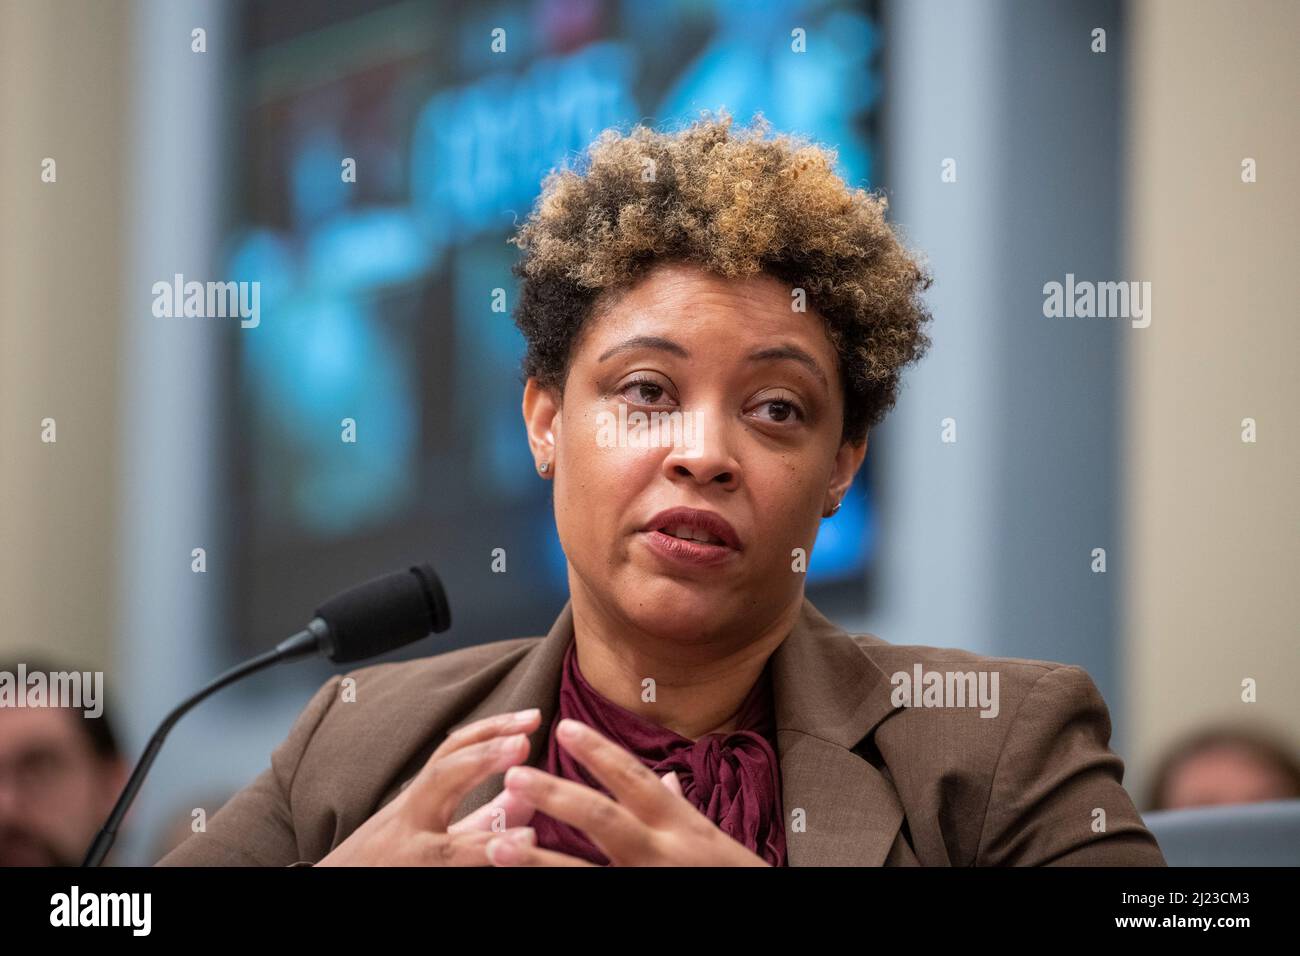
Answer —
646 342
790 352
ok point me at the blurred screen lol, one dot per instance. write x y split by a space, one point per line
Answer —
392 147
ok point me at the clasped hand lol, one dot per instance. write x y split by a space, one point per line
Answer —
647 821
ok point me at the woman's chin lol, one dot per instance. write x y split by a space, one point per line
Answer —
673 607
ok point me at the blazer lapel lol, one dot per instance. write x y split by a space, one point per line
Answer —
535 682
839 810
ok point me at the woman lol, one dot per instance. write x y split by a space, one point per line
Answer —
714 322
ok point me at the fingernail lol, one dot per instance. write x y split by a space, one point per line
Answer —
520 776
569 729
524 716
523 836
502 850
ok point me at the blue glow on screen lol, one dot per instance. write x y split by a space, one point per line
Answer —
324 360
845 541
470 154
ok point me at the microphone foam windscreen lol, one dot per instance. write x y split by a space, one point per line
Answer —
385 613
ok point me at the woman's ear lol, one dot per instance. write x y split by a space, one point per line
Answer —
541 418
847 462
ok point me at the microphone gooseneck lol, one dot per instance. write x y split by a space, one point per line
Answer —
367 620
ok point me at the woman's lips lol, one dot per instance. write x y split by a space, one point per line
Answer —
694 522
675 536
682 551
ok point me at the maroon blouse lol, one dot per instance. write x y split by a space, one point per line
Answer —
734 779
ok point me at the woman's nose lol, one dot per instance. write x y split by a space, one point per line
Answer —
702 452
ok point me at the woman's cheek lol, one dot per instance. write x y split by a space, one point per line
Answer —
598 486
782 510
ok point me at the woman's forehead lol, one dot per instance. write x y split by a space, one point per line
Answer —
690 305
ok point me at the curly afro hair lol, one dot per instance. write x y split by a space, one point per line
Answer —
736 202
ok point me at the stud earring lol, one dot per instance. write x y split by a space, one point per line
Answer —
544 467
833 510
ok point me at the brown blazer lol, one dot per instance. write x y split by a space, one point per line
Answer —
876 784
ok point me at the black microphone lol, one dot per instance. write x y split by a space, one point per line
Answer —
381 615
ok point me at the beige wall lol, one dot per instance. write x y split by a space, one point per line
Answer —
1212 590
62 94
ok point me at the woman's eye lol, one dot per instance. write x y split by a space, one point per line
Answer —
780 410
643 392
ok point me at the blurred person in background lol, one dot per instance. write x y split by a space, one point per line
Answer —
1220 765
60 774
